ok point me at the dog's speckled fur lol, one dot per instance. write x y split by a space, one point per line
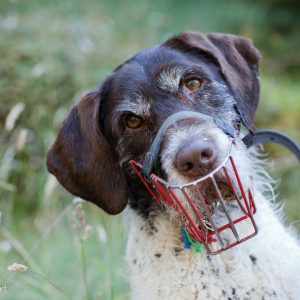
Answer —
264 267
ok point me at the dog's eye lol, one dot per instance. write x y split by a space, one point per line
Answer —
133 122
193 84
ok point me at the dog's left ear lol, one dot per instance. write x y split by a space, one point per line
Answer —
83 161
238 60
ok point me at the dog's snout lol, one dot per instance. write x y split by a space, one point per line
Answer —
196 158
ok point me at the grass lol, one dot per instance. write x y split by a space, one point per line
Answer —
51 52
58 256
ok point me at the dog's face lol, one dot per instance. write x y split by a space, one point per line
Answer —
212 74
155 84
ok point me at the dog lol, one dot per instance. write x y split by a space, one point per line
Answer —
213 74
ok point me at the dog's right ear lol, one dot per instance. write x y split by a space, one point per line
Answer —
83 161
238 61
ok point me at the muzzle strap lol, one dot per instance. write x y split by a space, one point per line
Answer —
272 136
152 154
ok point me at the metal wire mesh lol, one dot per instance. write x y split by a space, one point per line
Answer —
216 210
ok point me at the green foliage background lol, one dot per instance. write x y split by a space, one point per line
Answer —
51 51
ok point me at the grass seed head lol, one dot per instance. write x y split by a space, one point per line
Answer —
15 267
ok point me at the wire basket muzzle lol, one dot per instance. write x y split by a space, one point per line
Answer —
216 210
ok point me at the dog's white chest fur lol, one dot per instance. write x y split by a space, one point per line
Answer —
265 267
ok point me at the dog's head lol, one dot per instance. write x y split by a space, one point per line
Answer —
213 74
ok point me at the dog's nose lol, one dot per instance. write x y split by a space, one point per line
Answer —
196 158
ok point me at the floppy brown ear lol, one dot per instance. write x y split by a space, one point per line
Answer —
238 60
82 160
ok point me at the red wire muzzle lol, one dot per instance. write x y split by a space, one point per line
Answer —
216 210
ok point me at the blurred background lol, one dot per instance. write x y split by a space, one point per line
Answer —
50 52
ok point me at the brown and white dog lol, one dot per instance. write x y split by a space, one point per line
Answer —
214 74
